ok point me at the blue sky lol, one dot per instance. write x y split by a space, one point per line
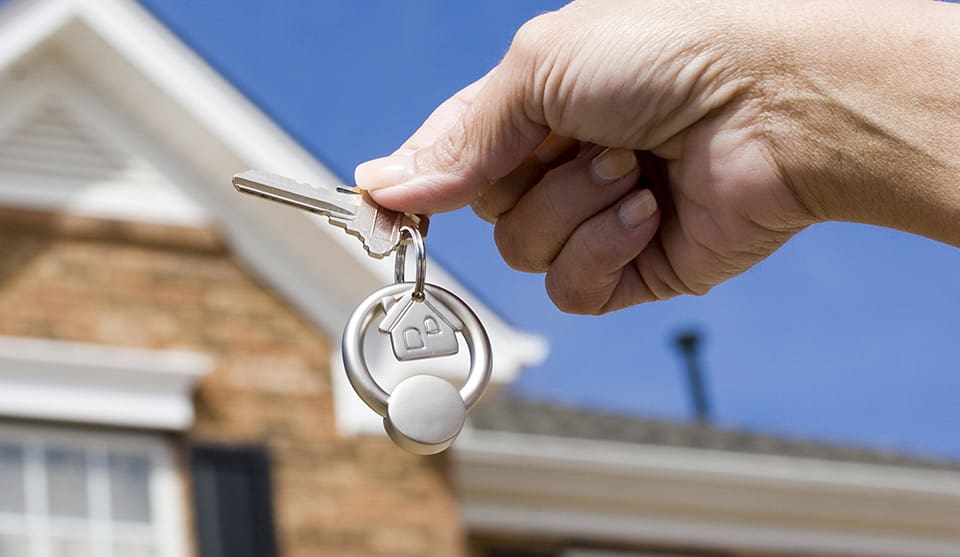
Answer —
849 333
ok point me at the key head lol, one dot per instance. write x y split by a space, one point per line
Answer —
424 414
377 227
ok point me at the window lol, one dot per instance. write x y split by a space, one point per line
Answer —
71 493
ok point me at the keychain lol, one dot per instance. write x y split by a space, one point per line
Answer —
424 413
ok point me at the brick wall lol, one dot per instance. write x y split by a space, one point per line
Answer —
152 286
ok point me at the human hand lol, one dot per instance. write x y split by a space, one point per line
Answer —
702 92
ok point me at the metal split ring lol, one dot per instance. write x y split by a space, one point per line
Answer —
478 343
399 267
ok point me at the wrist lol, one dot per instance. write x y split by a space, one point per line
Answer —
862 113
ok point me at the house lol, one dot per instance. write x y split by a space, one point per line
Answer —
170 386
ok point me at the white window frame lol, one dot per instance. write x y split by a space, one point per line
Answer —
168 511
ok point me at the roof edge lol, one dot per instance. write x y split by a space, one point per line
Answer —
558 487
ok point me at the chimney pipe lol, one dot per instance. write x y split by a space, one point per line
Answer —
688 343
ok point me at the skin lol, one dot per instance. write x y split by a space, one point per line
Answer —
748 121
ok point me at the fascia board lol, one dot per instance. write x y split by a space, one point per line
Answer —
601 490
713 537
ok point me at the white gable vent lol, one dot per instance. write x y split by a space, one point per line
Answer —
52 143
63 149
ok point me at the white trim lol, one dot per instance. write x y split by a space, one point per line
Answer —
92 383
596 490
650 529
168 498
24 24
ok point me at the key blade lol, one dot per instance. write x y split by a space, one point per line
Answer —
347 207
337 201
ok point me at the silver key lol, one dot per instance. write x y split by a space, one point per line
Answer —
348 207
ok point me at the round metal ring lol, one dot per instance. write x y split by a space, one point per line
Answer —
399 267
481 361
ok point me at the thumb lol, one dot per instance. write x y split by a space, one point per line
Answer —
491 135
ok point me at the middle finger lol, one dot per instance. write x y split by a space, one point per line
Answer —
502 196
531 234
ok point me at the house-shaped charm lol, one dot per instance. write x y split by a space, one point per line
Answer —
420 329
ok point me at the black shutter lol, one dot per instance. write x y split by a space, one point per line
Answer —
232 501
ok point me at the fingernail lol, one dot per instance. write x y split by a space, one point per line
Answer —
382 173
637 209
612 164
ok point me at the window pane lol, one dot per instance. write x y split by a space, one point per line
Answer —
13 546
66 482
70 547
130 487
132 550
11 480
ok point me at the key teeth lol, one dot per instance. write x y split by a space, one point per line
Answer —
339 223
420 222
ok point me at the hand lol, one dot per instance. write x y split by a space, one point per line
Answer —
729 111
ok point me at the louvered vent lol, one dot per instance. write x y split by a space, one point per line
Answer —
52 142
53 158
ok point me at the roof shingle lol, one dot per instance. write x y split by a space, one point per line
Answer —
517 415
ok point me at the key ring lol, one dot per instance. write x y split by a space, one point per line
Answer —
481 364
424 414
399 267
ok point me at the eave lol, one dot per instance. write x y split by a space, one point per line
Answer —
575 489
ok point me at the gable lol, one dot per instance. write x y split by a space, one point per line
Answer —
63 148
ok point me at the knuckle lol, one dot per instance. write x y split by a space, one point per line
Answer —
448 152
699 289
559 293
565 295
594 248
514 247
533 36
659 289
481 209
